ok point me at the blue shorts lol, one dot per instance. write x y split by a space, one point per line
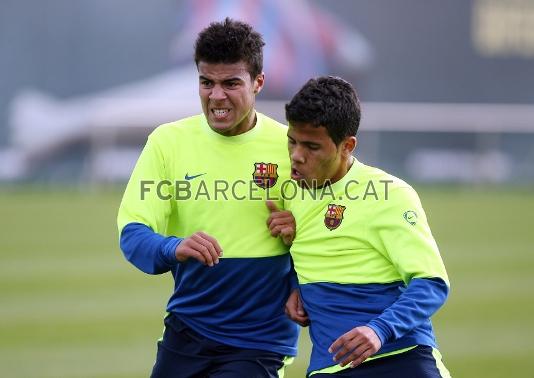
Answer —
415 363
183 353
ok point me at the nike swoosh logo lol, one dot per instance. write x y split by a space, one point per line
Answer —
187 177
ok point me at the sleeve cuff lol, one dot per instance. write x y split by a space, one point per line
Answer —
168 250
381 329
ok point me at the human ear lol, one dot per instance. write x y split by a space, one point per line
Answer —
349 145
258 83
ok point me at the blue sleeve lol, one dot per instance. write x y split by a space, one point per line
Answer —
147 250
422 298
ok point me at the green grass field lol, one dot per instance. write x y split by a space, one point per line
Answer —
71 306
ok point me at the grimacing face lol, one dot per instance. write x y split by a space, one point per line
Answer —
227 94
315 158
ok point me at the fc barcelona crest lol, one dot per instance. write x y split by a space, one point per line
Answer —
333 216
265 174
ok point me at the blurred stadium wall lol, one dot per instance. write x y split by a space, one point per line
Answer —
447 87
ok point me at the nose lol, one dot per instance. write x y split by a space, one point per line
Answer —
297 155
217 93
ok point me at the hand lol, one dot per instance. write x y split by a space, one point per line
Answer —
355 346
295 310
281 222
201 247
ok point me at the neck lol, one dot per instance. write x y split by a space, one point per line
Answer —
350 161
251 121
347 165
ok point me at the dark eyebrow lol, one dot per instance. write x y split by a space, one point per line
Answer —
237 78
305 142
232 79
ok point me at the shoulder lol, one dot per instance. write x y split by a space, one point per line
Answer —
180 126
272 126
394 190
175 131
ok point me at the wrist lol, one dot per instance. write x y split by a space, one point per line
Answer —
169 249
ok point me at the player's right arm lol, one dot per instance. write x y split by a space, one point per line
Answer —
199 246
143 215
155 254
294 309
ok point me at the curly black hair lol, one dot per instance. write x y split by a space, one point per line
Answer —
229 42
327 101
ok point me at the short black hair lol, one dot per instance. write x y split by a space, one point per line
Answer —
229 42
327 101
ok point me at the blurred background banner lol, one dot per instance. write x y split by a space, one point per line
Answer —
448 90
448 104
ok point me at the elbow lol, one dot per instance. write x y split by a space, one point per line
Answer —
133 252
440 289
143 266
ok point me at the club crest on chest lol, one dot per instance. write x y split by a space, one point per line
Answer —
333 216
265 175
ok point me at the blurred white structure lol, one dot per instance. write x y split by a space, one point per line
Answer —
297 49
302 41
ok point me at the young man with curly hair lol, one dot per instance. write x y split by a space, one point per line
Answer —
194 207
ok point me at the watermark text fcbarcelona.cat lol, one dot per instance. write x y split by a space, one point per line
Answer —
241 190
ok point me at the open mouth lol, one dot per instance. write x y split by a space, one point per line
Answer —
220 113
295 174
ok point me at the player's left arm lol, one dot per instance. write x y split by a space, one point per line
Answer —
399 230
403 235
415 305
281 223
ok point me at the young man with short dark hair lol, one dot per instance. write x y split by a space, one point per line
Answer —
369 270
